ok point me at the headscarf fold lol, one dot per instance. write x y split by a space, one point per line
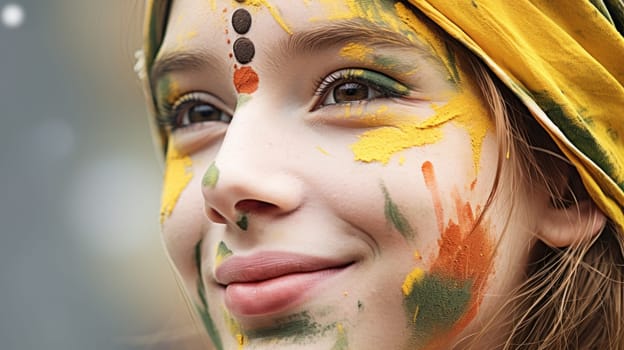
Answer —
564 60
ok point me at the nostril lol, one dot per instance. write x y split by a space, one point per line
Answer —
253 206
215 216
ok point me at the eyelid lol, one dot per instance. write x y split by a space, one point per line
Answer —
383 83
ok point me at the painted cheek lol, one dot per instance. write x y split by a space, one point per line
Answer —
465 109
447 297
178 174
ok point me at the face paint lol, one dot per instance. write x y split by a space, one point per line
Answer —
466 109
366 55
342 342
322 150
241 21
246 80
202 309
244 50
211 177
274 12
177 177
447 297
243 222
297 328
222 252
167 91
394 216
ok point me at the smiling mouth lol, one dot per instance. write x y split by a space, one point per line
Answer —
269 283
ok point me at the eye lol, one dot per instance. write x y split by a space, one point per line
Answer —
351 92
191 109
357 85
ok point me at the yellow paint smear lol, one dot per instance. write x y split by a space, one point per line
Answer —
356 52
235 330
275 13
320 149
396 134
177 176
425 34
412 278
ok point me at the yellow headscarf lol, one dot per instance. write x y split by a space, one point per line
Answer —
564 60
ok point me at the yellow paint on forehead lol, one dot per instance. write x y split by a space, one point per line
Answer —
273 11
356 51
177 177
426 35
397 133
183 39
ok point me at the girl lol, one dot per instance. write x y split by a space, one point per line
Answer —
393 174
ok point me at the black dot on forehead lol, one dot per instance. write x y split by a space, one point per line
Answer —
244 50
241 21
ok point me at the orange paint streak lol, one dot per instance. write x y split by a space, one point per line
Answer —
466 250
246 80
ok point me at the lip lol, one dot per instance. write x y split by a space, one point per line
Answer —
272 282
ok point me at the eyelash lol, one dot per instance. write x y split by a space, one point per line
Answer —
352 75
170 113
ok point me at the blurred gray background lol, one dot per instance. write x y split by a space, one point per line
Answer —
81 261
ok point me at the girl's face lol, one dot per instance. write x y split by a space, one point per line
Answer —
328 165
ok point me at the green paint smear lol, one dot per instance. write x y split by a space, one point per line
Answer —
242 100
202 309
342 343
381 81
211 177
223 251
394 215
440 302
298 328
243 222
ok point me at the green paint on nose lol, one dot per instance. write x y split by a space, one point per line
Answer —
394 215
242 100
243 222
211 177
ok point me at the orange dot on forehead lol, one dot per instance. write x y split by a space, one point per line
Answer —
246 80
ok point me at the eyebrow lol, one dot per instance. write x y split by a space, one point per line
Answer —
345 31
172 61
323 36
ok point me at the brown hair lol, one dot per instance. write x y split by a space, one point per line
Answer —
572 297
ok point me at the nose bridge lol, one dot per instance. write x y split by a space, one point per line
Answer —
248 176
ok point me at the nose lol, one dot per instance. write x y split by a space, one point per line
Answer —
250 175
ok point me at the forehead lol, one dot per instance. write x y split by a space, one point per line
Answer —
206 22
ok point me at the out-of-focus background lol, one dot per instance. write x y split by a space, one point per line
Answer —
81 261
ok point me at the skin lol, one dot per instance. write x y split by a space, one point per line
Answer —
314 177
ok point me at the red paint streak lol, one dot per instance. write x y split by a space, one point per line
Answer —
466 250
224 9
246 80
230 55
229 41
